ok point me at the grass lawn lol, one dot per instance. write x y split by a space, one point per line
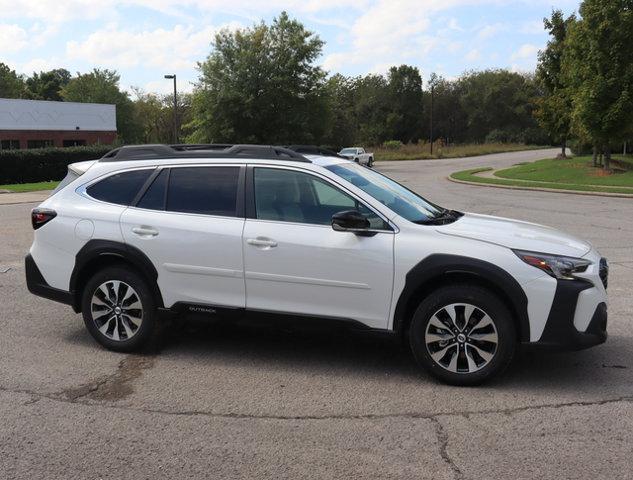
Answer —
421 152
29 187
571 174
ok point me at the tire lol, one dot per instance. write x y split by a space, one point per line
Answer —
443 329
370 162
356 160
131 318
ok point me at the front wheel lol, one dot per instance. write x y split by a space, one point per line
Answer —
370 162
119 309
463 335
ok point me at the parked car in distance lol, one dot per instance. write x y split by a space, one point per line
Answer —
257 232
358 155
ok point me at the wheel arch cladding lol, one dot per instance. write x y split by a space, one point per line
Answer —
98 254
439 270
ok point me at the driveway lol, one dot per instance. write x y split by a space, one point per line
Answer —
248 402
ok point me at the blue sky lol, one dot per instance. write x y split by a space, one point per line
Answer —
144 39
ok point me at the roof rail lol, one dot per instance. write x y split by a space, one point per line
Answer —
160 151
314 150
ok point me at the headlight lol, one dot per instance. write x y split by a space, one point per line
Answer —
555 265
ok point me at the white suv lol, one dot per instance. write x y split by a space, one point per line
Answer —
253 230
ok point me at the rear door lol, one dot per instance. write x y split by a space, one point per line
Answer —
189 222
296 263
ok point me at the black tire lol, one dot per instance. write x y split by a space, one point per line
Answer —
459 373
370 162
145 335
356 160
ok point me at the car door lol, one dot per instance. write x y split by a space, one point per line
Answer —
189 223
296 263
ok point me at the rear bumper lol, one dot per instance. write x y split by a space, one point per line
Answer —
560 331
38 286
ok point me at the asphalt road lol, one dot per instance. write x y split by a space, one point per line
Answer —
247 402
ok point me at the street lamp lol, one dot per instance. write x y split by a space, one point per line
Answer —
169 77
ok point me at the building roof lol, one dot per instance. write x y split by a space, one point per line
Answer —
45 115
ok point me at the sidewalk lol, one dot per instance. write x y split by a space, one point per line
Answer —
25 197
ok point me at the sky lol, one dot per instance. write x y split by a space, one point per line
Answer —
145 39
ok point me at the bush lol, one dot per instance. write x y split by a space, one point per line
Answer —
44 164
392 144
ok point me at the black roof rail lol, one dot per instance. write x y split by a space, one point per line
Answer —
314 150
160 151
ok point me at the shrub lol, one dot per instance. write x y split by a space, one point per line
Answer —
392 144
44 164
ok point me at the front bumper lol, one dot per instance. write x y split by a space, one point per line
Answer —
578 316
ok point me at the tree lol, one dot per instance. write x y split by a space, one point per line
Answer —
11 84
405 95
554 107
598 66
260 85
47 85
102 86
154 115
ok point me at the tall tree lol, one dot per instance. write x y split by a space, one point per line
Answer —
599 66
47 85
11 84
554 107
405 92
102 86
261 84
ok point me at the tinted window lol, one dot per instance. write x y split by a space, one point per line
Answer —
290 196
204 190
120 188
154 197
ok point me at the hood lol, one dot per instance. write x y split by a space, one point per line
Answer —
516 234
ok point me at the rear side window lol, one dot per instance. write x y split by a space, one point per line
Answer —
154 197
120 188
203 190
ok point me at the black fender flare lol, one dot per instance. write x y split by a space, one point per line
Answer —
97 251
440 269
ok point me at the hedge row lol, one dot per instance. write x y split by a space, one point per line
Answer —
44 164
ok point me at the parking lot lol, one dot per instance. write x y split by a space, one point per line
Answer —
221 401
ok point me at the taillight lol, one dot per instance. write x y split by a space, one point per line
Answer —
41 216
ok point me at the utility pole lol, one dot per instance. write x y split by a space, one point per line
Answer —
431 135
175 107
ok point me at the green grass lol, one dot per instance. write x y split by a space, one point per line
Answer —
572 174
422 151
29 187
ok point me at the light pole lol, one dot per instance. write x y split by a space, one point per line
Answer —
175 107
431 126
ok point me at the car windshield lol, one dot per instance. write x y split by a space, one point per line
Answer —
399 199
348 150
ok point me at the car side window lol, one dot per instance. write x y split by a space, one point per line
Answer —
203 190
291 196
154 197
120 188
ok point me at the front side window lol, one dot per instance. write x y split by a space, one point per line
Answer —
397 198
203 190
291 196
120 188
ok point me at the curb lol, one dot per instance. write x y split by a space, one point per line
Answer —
542 189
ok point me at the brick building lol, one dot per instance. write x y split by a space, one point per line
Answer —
37 123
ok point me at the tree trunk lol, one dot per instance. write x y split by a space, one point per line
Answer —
564 148
607 158
594 157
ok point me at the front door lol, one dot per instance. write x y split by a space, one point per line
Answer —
296 263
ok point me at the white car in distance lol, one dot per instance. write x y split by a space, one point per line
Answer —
358 155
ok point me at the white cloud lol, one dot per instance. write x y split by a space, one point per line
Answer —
526 51
489 31
473 55
175 49
13 38
532 27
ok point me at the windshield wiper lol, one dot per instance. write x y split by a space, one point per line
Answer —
442 218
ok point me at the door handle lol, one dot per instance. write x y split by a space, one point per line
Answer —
261 242
145 231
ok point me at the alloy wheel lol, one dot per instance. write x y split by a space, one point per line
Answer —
117 310
461 338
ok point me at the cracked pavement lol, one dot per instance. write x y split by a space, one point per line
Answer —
224 401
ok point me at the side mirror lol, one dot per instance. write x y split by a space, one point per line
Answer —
349 221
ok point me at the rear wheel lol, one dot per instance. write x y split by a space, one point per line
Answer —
119 309
463 335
